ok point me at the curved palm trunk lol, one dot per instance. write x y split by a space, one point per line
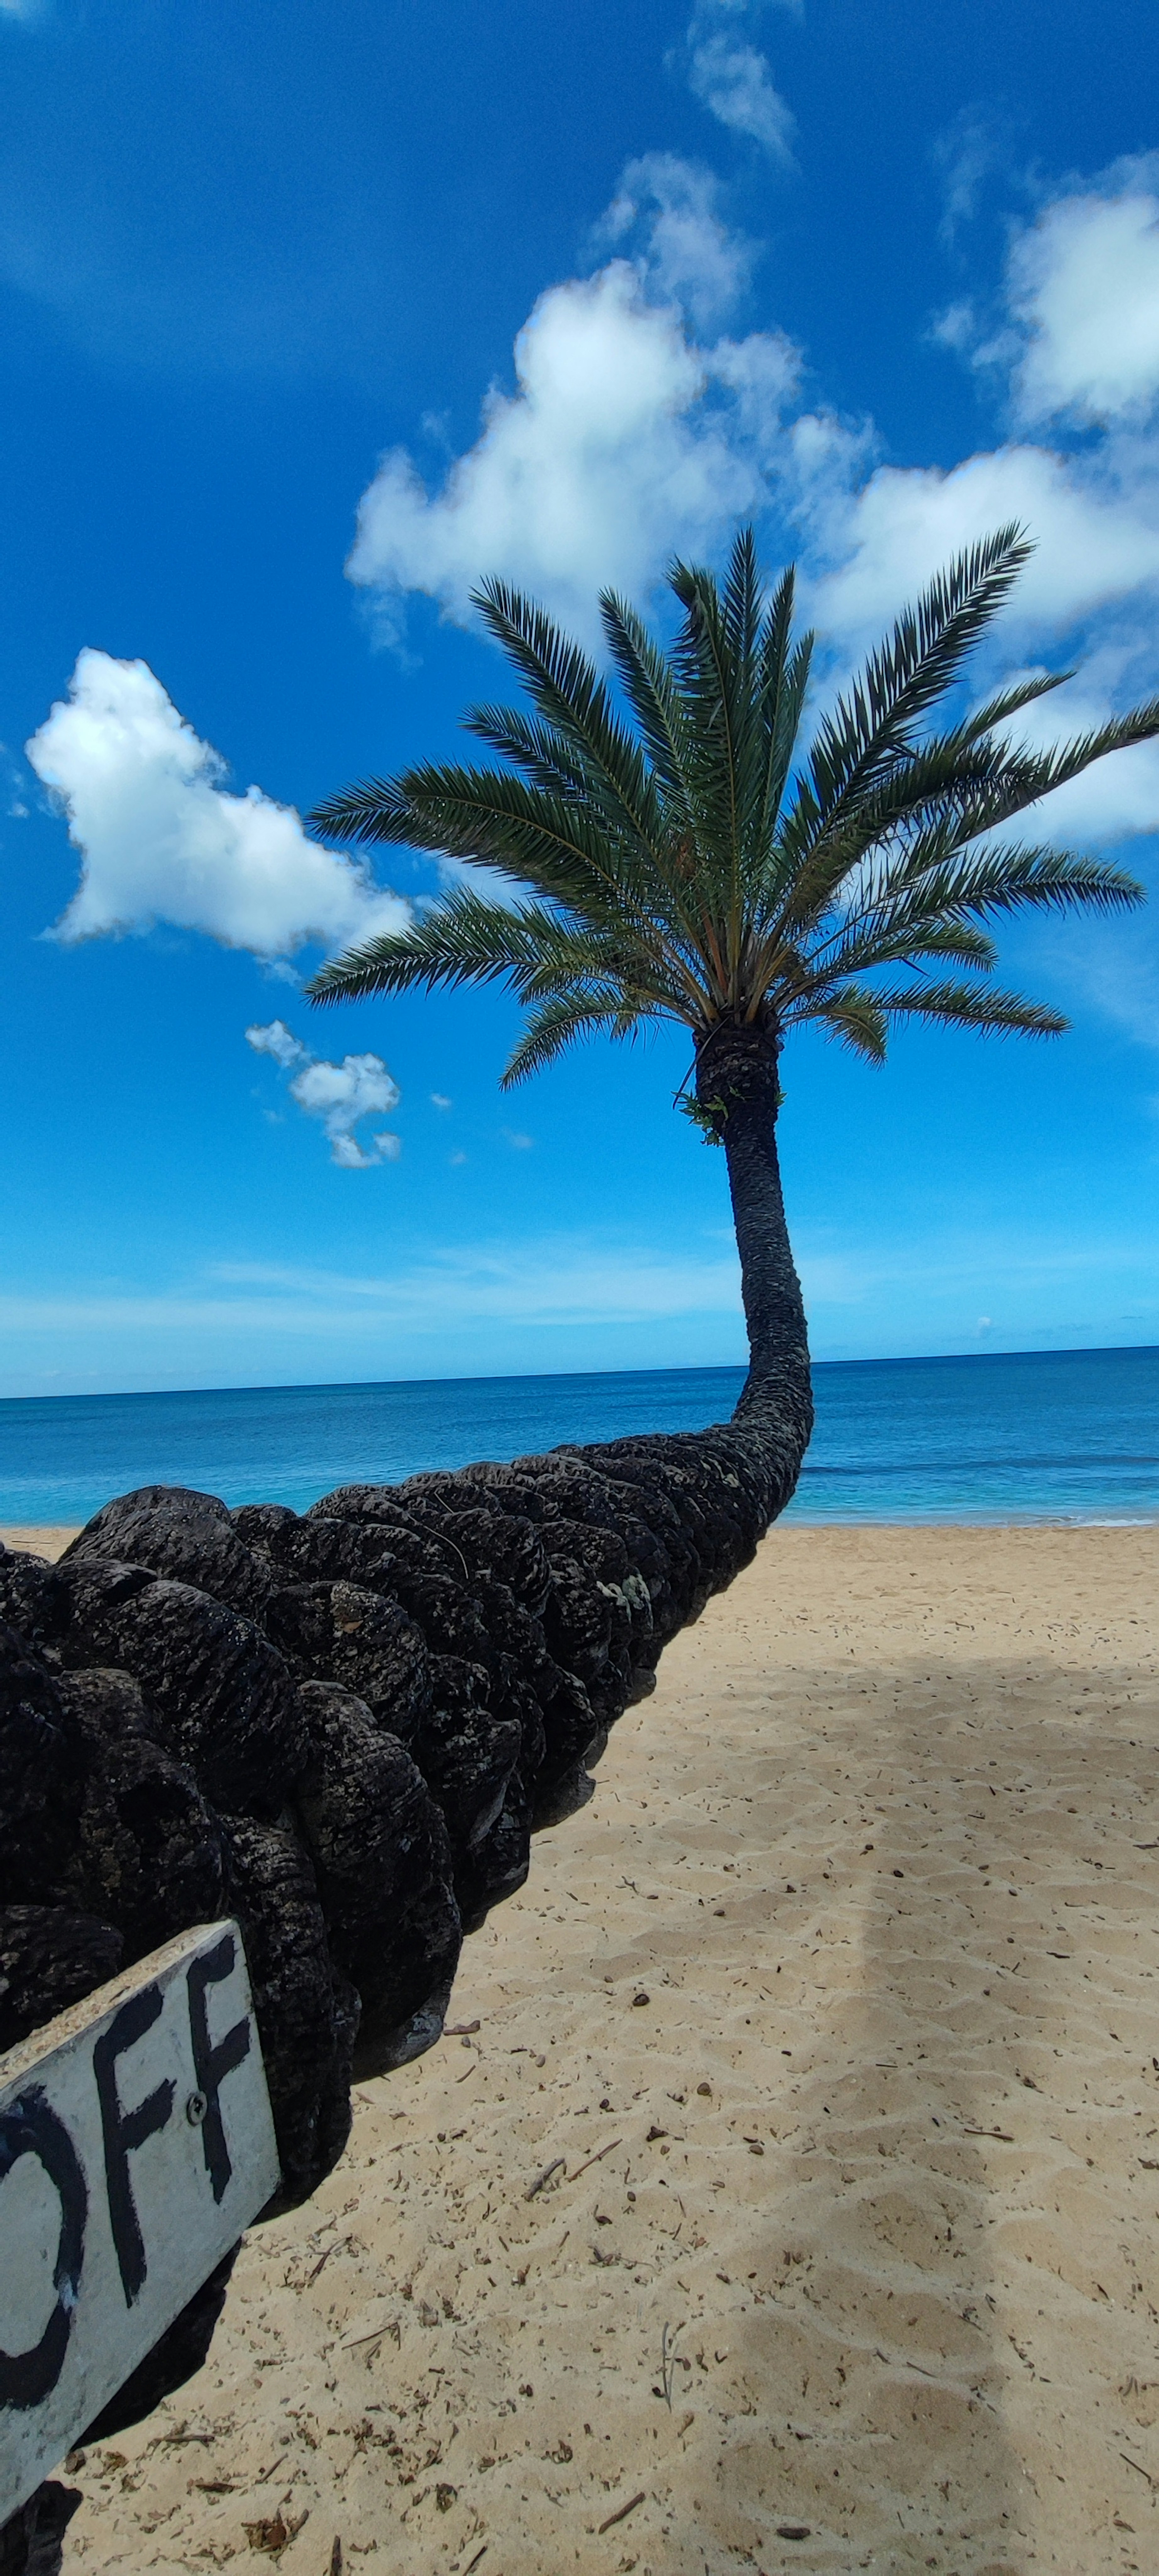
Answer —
737 1084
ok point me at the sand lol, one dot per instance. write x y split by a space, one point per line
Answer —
46 1539
823 2030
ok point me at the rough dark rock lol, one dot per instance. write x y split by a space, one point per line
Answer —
307 2011
49 1959
341 1632
147 1855
32 2543
384 1869
341 1726
222 1696
41 1775
174 1530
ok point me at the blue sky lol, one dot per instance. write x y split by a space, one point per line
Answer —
310 318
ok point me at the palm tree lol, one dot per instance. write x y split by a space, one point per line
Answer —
677 857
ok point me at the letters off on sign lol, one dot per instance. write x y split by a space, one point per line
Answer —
136 2144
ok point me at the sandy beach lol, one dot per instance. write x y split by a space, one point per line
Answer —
786 2192
47 1539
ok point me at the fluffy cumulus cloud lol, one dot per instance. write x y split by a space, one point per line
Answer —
1084 292
626 439
342 1095
638 427
732 78
162 840
1076 345
666 211
1096 530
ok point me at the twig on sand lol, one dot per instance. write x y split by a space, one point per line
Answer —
622 2511
600 2153
537 2185
336 2555
1138 2465
668 2344
902 2362
480 2553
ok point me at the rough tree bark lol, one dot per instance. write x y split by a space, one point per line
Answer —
738 1088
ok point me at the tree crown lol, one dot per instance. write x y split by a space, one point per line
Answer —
676 855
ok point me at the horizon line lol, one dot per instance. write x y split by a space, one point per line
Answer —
533 1377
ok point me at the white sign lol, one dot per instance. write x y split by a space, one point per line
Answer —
136 2143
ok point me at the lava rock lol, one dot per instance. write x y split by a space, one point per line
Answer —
384 1869
340 1632
467 1755
50 1958
174 1530
306 2011
41 1776
222 1696
33 1600
32 2542
148 1848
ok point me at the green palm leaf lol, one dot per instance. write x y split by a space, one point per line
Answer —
682 856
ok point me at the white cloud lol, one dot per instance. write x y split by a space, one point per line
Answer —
964 156
1078 340
626 440
957 328
341 1095
1115 973
734 83
733 80
439 1100
1083 287
163 841
277 1040
562 1278
632 435
1097 531
687 254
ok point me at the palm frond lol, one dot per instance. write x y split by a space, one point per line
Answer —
705 667
784 680
1010 702
970 1006
571 697
373 809
552 843
462 940
551 1030
650 689
677 858
855 1015
874 721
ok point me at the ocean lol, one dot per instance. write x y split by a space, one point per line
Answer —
1035 1436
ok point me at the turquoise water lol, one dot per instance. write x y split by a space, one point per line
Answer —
1059 1435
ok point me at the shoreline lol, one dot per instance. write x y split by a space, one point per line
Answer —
50 1538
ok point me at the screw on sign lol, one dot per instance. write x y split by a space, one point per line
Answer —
136 2143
